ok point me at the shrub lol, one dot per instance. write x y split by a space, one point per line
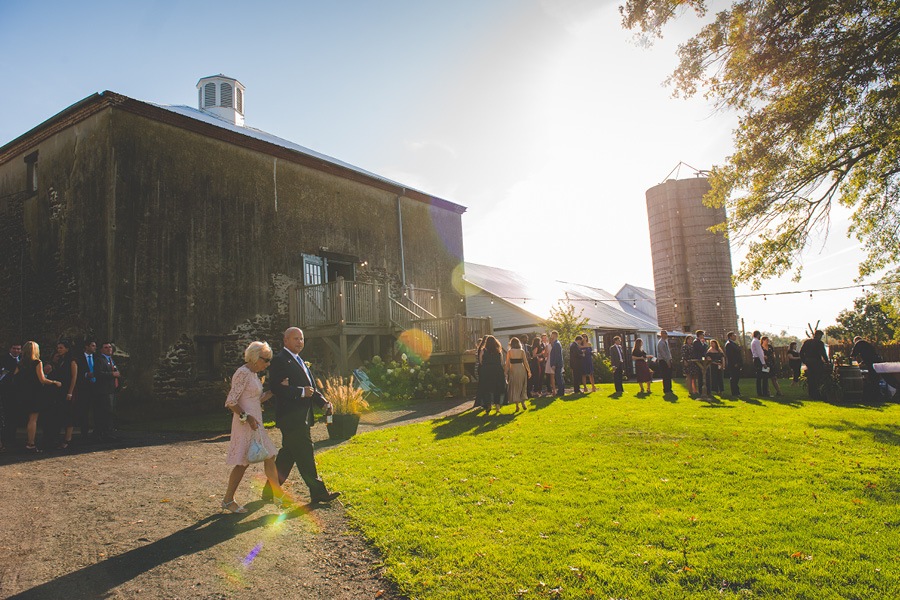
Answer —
346 398
405 381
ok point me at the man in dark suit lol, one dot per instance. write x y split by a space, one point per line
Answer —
9 402
575 359
86 387
617 358
105 397
734 362
295 390
556 361
815 357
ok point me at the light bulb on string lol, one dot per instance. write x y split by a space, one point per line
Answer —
634 304
765 299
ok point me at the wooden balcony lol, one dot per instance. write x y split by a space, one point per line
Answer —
343 313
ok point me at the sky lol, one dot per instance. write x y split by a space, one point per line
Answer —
544 118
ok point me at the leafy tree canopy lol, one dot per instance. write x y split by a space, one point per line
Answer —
872 316
566 321
816 86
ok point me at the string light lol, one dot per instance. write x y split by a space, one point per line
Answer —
718 303
634 304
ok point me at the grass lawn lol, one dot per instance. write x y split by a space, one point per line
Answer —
634 497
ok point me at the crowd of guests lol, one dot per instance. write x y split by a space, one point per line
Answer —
68 390
529 369
526 370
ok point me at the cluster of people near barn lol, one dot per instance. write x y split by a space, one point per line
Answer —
533 369
73 388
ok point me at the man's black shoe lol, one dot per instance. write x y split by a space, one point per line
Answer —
326 498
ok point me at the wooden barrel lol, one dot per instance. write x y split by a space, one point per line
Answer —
852 382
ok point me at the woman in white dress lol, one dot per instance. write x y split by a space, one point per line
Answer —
518 373
245 401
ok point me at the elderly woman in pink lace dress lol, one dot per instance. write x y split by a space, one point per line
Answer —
245 401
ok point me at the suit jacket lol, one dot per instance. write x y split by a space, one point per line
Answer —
106 382
84 384
556 359
8 364
813 354
614 358
734 358
575 356
292 410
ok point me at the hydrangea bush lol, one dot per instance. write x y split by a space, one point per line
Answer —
404 380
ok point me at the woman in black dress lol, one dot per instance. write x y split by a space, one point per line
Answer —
62 408
691 370
30 376
770 362
534 363
715 354
492 382
479 388
795 362
641 368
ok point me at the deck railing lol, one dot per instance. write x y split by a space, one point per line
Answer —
361 304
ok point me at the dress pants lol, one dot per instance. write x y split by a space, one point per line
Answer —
814 378
576 380
10 416
617 378
762 379
560 382
103 411
297 448
665 373
734 377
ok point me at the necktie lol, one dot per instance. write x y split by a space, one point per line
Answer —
90 361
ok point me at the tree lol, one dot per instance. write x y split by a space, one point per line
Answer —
564 320
816 86
872 317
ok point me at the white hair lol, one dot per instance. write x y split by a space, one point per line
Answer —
254 350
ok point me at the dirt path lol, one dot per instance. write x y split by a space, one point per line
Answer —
141 519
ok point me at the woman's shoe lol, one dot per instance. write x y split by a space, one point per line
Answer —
283 502
233 507
32 448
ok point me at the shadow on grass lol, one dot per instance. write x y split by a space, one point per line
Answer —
472 422
97 580
882 434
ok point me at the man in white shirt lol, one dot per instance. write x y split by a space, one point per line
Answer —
759 361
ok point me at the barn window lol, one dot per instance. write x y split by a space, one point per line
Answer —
209 94
31 182
226 96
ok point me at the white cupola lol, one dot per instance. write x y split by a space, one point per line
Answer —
223 97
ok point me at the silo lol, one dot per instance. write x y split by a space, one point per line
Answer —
691 265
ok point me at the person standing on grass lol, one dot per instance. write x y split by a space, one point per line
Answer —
518 373
556 364
795 363
534 363
691 369
717 357
769 351
734 362
617 360
493 374
575 363
759 363
664 361
815 357
245 401
587 368
641 367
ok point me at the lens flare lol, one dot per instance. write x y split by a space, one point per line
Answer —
416 342
249 558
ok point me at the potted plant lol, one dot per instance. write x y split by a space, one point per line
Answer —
348 402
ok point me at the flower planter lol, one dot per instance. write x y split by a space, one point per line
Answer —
343 428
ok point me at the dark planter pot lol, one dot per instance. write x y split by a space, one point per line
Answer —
343 428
